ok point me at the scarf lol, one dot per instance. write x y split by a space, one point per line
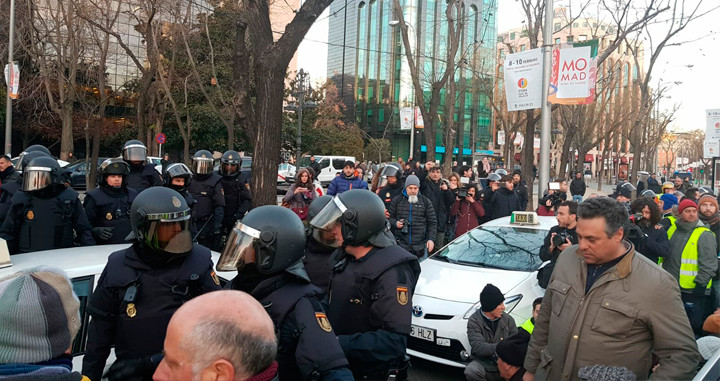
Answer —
710 221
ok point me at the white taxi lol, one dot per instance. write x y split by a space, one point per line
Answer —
83 266
503 252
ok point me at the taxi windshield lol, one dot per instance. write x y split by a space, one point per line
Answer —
501 247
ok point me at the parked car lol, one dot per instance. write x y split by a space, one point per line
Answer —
502 252
330 166
78 172
83 266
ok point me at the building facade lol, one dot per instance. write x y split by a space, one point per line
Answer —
366 60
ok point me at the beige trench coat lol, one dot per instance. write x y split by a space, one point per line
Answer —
632 310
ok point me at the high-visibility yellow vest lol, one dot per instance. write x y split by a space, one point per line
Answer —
689 257
528 326
670 232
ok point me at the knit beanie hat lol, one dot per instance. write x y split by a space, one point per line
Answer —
490 298
39 315
513 349
606 373
686 203
412 180
708 198
708 346
669 200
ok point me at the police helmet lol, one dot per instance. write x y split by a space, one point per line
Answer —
271 237
679 195
391 169
501 172
705 190
202 162
32 148
26 157
160 220
40 173
648 193
134 150
361 215
667 185
229 159
625 190
177 170
114 166
494 177
315 207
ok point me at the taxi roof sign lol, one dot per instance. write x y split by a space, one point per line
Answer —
524 218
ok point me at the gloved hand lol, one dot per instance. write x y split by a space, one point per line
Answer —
138 367
699 290
103 233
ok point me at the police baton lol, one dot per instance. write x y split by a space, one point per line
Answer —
203 227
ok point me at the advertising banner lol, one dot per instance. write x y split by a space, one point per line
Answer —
712 129
12 79
711 148
406 118
523 80
418 118
501 138
574 71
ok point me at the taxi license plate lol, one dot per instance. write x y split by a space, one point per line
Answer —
422 333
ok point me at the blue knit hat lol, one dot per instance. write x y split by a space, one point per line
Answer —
39 315
669 200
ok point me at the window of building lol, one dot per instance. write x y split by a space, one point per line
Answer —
576 24
557 26
585 24
569 38
582 37
557 40
512 35
522 48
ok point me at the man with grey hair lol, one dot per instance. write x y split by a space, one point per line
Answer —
413 219
222 335
606 305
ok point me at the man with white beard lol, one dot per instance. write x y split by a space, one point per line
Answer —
413 220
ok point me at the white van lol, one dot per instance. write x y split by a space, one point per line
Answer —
330 165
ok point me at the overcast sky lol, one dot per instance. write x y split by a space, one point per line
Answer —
693 89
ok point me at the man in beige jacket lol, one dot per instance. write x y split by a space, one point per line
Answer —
606 305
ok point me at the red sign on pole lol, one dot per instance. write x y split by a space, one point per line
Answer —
160 138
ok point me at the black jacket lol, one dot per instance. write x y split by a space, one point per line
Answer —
522 192
420 221
652 243
442 201
578 187
545 272
502 202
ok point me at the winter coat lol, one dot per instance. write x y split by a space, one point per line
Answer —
655 243
420 221
632 311
522 192
342 184
466 215
543 210
577 187
483 341
503 202
300 200
707 253
441 200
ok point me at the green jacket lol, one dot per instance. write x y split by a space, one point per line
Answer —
707 253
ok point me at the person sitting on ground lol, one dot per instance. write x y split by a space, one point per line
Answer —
40 318
488 326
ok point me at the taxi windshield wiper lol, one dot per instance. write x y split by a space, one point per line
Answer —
444 259
479 264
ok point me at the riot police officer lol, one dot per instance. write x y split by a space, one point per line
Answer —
266 249
142 286
142 174
45 214
319 247
108 206
371 286
9 188
207 190
391 182
33 148
177 176
238 198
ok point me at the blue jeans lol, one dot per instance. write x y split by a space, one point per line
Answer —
577 198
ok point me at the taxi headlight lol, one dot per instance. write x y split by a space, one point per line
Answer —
510 303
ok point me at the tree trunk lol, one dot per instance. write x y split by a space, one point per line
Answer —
66 144
567 141
528 157
267 150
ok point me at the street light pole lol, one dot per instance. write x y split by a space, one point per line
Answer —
8 100
301 98
544 162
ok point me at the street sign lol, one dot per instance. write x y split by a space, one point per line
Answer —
160 138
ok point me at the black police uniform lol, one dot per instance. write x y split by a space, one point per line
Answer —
371 309
238 199
209 209
109 207
307 346
7 191
45 220
135 298
318 262
389 192
143 177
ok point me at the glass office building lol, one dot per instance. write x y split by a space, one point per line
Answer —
366 59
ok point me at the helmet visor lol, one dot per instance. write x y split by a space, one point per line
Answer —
36 178
329 215
178 169
383 182
171 236
202 165
135 152
239 249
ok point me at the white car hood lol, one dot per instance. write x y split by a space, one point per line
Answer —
462 283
